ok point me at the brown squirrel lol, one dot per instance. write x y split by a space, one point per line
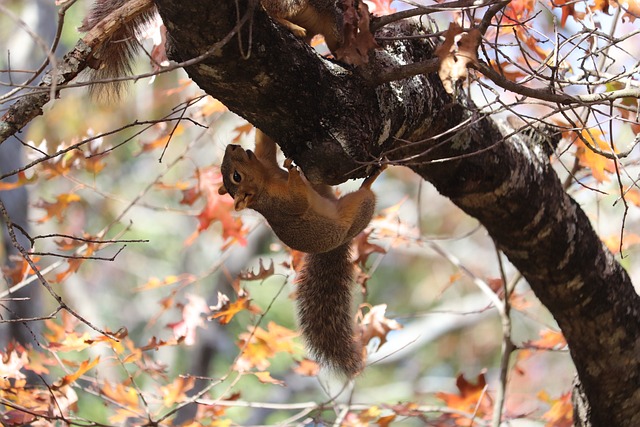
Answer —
311 219
305 18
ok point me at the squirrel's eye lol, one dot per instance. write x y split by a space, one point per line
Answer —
236 178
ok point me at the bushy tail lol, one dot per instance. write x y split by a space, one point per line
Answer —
324 310
115 56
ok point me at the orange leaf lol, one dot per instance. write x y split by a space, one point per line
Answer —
266 378
242 130
471 399
22 180
549 340
162 140
58 207
259 345
597 163
84 367
561 412
218 208
225 310
307 368
176 391
613 242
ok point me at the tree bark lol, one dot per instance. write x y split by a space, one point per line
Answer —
335 122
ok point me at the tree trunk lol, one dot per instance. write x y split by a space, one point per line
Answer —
334 122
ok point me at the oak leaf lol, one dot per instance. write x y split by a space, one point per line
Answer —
364 248
21 179
85 366
225 310
176 391
596 162
192 318
375 324
58 207
358 40
456 53
471 399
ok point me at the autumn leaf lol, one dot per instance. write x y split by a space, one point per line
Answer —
307 368
613 242
471 399
364 248
57 208
262 273
19 269
225 309
549 340
242 130
176 391
456 53
259 345
16 417
212 106
11 364
85 366
192 318
73 264
154 282
358 40
21 179
266 378
630 7
561 412
218 208
597 163
375 324
380 7
161 141
127 399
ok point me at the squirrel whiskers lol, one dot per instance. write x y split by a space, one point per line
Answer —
311 219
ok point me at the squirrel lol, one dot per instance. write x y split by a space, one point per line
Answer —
311 219
304 18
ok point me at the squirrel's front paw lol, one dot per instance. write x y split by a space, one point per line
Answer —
288 164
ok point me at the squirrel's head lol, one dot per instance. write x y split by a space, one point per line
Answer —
241 176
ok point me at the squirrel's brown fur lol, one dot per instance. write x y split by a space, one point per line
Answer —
311 219
305 18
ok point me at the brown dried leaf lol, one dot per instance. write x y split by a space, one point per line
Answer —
358 39
262 273
375 324
456 53
363 248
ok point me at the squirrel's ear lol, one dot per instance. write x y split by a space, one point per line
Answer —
242 201
222 190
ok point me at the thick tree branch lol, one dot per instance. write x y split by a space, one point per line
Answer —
332 121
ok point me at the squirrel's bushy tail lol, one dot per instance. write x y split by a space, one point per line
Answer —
324 299
114 57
